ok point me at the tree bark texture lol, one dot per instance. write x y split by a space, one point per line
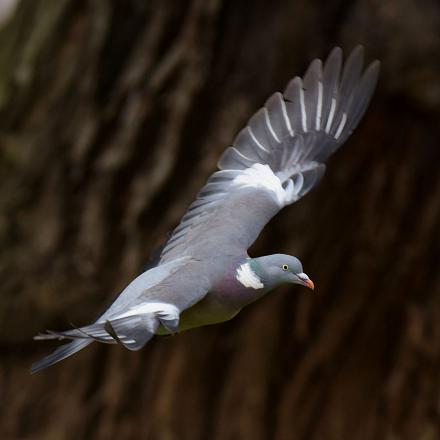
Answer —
113 114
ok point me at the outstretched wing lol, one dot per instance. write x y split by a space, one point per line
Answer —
277 158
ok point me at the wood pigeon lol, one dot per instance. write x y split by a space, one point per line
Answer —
204 274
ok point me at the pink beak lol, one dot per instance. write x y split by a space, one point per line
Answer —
309 283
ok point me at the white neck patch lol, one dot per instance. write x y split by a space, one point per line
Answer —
246 276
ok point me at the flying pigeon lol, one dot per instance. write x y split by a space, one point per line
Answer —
204 274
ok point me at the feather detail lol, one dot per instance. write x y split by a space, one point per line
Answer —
281 151
246 276
261 176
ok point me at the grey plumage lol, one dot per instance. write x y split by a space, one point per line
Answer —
204 274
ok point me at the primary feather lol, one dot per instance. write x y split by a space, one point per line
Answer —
283 146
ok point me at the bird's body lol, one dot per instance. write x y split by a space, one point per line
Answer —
204 274
226 297
217 306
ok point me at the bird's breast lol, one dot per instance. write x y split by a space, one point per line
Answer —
221 304
225 299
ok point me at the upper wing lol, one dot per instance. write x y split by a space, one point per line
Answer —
157 284
277 158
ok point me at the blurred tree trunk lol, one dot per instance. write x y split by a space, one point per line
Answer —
113 114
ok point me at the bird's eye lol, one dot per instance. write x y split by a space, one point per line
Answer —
285 267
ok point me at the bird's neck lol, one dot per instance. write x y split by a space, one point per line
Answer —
257 265
250 273
247 274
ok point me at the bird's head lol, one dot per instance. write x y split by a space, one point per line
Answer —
277 269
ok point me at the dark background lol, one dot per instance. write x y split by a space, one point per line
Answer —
112 115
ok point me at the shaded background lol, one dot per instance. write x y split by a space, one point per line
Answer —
112 115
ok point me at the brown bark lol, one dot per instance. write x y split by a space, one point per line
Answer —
113 114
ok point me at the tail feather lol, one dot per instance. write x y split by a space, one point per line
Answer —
94 331
60 353
132 329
